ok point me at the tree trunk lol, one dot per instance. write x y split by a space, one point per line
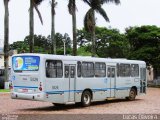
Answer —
74 29
6 39
93 37
53 40
31 27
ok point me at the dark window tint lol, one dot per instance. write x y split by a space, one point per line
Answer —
100 69
124 70
72 72
134 70
111 72
118 70
79 69
54 69
87 69
66 72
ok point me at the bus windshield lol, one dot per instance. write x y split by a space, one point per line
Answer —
25 63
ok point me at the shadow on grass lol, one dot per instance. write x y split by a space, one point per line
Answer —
77 105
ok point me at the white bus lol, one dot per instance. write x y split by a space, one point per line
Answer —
70 79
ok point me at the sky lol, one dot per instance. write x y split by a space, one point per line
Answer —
128 13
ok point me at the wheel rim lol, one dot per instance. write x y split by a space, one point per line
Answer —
132 94
86 99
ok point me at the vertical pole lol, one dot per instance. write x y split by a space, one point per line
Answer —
74 27
53 40
31 27
64 47
6 39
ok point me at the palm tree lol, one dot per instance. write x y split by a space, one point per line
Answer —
89 19
6 39
33 4
72 11
53 5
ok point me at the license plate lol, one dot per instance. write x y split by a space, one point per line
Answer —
24 90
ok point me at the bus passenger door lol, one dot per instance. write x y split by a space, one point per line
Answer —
143 81
111 80
70 70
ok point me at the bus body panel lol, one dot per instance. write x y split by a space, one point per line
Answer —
26 83
66 86
98 87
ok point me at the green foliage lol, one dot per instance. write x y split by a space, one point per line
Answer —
90 20
42 44
61 51
109 42
20 46
83 51
144 44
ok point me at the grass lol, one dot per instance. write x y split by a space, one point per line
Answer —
4 90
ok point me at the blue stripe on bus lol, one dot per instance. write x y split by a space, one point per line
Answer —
77 91
94 90
24 87
62 92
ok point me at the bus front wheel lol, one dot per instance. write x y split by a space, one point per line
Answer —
86 98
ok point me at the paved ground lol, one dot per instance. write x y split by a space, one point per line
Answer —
147 104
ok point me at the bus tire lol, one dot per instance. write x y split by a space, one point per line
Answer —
132 94
86 98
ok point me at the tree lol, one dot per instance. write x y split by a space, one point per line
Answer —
89 19
145 44
60 44
33 4
6 38
109 42
53 5
42 44
20 46
72 11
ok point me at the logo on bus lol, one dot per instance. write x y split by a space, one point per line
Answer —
19 63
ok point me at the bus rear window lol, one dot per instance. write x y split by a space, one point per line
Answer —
25 63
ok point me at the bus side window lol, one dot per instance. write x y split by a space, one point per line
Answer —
66 72
54 69
124 70
79 68
100 69
109 72
72 73
113 72
134 70
50 70
87 69
118 70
